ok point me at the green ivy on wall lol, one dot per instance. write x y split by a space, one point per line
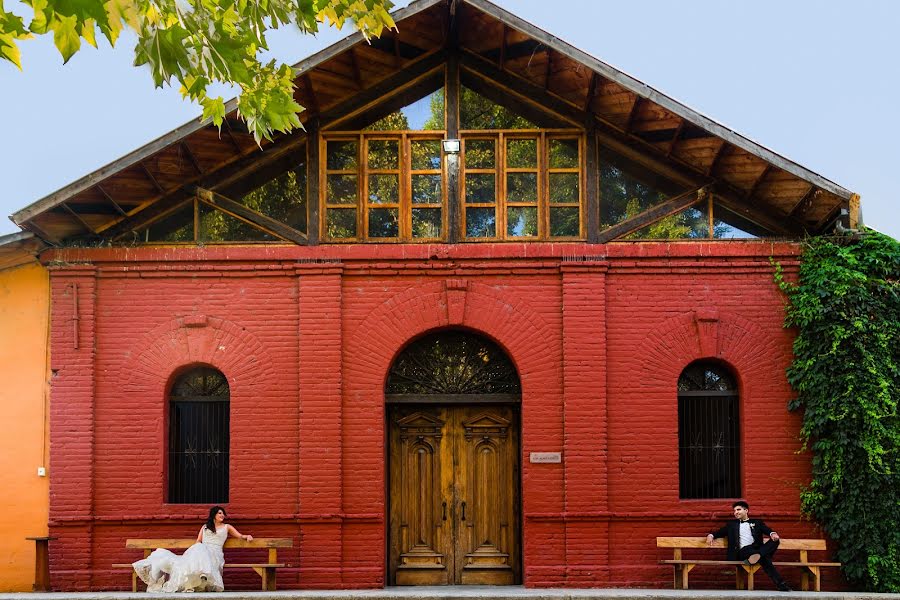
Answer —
846 373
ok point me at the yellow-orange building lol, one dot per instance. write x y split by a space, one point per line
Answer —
24 372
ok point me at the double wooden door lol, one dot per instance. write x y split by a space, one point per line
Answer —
454 495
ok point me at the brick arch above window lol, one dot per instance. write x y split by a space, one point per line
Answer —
167 349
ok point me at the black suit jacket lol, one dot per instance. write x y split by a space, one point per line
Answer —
731 530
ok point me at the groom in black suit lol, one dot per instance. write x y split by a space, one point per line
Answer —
745 542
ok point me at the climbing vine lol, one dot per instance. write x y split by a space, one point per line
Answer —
846 374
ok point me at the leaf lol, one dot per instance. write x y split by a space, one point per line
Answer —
65 36
214 108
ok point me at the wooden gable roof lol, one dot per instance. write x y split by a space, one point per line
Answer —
493 47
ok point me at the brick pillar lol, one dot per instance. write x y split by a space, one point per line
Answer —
585 441
72 353
320 460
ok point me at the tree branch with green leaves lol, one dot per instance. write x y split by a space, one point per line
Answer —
196 43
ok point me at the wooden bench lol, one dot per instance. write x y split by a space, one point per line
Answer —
742 571
265 570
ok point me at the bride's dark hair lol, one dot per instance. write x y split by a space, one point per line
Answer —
211 520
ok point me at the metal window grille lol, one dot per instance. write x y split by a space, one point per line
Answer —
709 453
199 438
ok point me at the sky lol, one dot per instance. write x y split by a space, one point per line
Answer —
816 81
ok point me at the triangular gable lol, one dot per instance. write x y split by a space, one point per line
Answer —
495 49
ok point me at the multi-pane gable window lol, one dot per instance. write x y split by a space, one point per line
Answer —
199 437
709 457
382 186
522 185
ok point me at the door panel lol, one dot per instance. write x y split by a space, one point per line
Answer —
453 495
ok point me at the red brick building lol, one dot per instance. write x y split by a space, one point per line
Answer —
511 341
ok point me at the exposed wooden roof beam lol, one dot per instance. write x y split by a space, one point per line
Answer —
830 216
313 99
675 137
222 176
78 218
592 91
631 114
152 179
502 59
357 74
804 202
720 151
549 70
259 220
228 131
756 182
186 148
670 207
109 199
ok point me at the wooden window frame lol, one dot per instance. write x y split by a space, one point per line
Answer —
543 138
405 172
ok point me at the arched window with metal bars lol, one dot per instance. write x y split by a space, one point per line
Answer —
709 450
199 437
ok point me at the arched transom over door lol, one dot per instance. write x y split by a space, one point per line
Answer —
454 463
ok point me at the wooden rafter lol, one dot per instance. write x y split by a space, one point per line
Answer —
675 137
653 214
152 179
398 60
502 59
109 199
592 90
313 99
549 70
78 218
357 74
632 113
186 148
720 151
228 132
805 200
758 181
258 220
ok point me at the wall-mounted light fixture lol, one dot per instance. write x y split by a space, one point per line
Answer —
450 146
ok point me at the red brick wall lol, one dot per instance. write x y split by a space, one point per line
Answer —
306 336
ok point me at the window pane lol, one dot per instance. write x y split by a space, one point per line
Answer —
480 222
627 189
477 112
384 154
480 188
341 223
341 155
690 224
480 154
341 189
384 189
521 154
563 188
426 189
177 227
521 187
521 221
426 154
426 222
563 154
424 114
730 225
216 226
383 223
282 198
564 221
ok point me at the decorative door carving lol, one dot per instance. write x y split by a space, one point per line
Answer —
454 495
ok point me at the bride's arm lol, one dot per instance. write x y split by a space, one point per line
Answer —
200 535
235 533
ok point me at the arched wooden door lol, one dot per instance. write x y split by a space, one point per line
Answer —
453 464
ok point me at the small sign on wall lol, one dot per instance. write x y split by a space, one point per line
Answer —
546 457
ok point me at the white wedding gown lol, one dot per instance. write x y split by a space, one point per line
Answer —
199 569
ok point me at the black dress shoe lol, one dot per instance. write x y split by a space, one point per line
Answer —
753 559
783 587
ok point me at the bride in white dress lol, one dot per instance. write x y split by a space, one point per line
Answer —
199 569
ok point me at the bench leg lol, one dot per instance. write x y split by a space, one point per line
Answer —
740 578
134 580
267 574
811 573
681 576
